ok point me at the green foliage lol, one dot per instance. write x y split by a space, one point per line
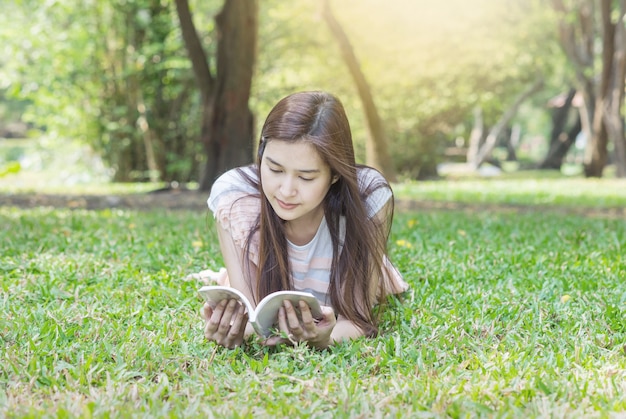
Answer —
508 315
428 66
10 168
10 154
96 71
147 97
110 74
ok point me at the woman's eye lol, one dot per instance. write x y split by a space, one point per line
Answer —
274 170
305 179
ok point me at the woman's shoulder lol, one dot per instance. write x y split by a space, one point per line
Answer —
374 188
240 181
369 176
371 180
239 177
235 202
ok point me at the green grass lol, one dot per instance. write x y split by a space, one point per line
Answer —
534 188
507 316
518 188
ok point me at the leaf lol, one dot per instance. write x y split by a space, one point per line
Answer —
11 168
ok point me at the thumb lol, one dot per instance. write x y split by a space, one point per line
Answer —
328 315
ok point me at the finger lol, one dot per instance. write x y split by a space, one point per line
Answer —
292 319
282 321
213 322
228 316
238 324
234 337
308 321
328 316
218 310
283 327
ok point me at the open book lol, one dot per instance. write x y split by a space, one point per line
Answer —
265 316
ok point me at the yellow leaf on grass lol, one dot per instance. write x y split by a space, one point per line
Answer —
404 243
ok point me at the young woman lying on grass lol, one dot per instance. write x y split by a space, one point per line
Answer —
305 217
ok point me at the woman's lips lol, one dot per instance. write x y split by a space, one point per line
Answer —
285 205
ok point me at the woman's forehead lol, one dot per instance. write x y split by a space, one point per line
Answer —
298 155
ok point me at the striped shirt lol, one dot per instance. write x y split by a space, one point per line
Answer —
236 205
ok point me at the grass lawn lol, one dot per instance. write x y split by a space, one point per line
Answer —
534 188
509 315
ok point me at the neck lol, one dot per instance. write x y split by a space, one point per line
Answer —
302 231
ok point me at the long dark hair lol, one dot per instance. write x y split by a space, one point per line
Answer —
319 119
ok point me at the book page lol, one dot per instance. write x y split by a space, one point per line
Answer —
267 310
265 317
213 294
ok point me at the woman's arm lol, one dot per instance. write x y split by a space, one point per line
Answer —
227 324
236 266
345 330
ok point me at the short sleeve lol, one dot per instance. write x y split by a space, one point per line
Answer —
232 181
376 200
236 206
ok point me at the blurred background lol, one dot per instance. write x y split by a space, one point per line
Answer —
145 91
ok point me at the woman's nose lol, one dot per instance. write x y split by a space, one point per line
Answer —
288 187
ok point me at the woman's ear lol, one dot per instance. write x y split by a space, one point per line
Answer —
261 148
334 179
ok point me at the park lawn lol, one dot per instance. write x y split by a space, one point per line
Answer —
508 315
534 188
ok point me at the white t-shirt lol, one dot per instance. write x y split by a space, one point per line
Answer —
236 205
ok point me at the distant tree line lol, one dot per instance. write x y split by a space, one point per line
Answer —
175 91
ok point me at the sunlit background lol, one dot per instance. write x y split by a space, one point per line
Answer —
67 68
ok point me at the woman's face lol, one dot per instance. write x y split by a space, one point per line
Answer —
295 180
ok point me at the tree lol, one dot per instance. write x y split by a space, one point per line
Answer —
602 89
110 75
377 154
226 120
136 126
563 133
483 153
612 100
430 65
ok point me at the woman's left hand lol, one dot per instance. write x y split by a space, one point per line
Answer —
316 332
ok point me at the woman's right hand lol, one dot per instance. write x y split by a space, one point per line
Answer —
226 323
304 327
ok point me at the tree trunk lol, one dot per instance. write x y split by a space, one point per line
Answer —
615 94
154 172
476 138
577 38
226 128
603 93
513 140
232 125
484 153
561 138
597 155
376 147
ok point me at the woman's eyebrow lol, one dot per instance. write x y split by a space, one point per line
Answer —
275 163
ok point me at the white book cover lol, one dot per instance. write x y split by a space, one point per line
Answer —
265 317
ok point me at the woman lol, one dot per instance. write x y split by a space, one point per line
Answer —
304 217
